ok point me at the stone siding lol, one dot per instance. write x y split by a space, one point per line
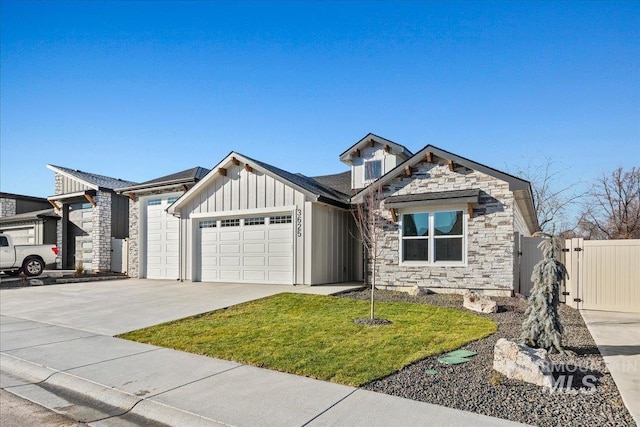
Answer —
101 233
7 207
58 187
490 235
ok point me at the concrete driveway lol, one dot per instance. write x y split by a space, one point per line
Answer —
117 306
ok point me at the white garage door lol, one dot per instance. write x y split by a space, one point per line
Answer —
162 240
249 250
22 236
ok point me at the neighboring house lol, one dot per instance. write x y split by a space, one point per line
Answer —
92 215
153 234
29 220
446 222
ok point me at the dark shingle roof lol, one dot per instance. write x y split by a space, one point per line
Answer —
340 182
324 193
192 175
464 196
45 213
95 179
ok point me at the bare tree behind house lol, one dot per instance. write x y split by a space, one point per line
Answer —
367 219
553 196
612 207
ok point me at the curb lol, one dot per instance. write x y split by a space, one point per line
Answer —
127 405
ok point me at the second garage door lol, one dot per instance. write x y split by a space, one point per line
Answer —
249 250
162 240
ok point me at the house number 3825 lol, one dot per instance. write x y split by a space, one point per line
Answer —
299 222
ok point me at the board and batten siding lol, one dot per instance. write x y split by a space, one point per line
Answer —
519 223
334 253
389 161
243 193
68 185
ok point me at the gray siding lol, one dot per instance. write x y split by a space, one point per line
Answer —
66 185
119 216
334 250
23 206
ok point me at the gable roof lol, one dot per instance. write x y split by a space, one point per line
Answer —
520 187
4 195
370 137
27 216
339 181
304 184
92 180
188 176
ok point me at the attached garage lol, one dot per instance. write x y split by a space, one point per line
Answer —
22 235
161 253
254 249
250 222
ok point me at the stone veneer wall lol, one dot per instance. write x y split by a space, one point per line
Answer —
134 237
490 235
102 232
7 207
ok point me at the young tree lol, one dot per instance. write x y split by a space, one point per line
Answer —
541 327
367 220
612 207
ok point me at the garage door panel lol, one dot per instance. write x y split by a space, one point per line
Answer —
277 248
229 249
254 235
262 253
279 261
250 248
231 275
254 261
254 275
227 236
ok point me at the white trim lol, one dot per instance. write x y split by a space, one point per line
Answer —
75 178
245 212
432 238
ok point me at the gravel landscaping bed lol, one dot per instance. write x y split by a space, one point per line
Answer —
476 387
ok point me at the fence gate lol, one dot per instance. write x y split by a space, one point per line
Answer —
530 254
603 274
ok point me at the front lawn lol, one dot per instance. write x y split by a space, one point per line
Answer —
315 336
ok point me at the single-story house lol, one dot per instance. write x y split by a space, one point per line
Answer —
153 234
443 221
28 220
94 218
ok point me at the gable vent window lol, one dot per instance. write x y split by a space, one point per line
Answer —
281 219
372 169
207 224
254 221
154 202
230 222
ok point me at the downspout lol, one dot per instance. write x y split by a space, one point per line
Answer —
180 249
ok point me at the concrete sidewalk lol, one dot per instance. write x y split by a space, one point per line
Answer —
107 381
617 336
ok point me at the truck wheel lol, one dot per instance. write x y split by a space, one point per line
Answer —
33 267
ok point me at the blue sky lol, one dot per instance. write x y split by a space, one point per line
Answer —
137 90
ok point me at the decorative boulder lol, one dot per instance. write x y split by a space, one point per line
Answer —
417 291
519 362
36 282
55 274
476 302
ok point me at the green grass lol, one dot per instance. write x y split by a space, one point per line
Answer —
315 336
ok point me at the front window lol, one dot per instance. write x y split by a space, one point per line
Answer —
433 237
372 169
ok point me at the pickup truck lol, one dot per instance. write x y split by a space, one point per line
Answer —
30 259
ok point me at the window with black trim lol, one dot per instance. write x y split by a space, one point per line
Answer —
372 169
433 237
254 221
280 219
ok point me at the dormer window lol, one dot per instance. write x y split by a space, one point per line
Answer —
372 169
